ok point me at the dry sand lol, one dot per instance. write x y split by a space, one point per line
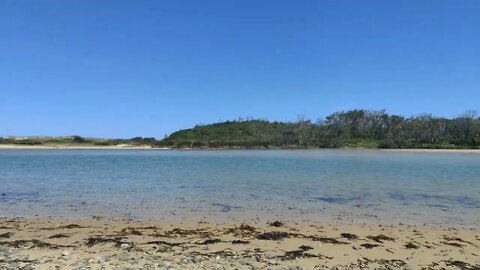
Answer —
86 147
126 146
112 244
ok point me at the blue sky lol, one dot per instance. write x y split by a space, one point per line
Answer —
147 68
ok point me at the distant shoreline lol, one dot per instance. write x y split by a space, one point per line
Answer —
123 147
60 147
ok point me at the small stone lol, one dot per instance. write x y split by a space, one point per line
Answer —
65 253
124 246
272 262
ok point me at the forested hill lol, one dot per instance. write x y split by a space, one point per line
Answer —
357 128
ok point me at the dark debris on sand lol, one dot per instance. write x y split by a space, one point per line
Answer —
33 243
6 235
453 244
380 238
411 246
276 223
462 265
183 233
272 236
369 245
327 240
130 231
295 254
349 236
305 248
210 241
101 239
161 242
243 230
240 242
59 235
70 226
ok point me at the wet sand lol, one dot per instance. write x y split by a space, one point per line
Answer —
100 243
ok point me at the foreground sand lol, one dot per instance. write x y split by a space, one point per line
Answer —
112 244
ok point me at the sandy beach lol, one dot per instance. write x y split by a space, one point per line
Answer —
132 147
99 243
92 147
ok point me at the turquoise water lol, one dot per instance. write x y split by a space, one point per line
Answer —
298 185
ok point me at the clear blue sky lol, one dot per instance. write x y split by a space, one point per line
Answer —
147 68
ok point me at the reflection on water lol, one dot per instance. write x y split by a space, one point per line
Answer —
310 185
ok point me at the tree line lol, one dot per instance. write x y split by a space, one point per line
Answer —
354 128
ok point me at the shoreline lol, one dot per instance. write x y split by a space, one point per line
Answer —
116 244
59 147
68 147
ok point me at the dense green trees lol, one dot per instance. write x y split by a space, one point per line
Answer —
356 128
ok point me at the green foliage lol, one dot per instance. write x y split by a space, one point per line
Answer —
28 142
78 139
104 143
143 141
356 128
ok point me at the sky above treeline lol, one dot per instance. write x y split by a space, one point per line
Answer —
147 68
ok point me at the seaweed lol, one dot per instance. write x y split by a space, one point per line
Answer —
299 254
294 254
130 231
380 238
462 265
454 244
71 226
33 243
6 235
458 239
369 245
210 241
161 242
177 232
272 236
411 246
327 240
305 248
237 242
243 230
349 236
100 239
276 223
59 235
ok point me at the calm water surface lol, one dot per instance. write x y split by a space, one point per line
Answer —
295 185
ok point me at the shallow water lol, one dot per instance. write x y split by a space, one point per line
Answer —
298 185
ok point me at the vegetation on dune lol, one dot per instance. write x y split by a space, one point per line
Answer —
77 141
356 128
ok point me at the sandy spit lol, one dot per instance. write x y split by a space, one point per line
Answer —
124 147
114 147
